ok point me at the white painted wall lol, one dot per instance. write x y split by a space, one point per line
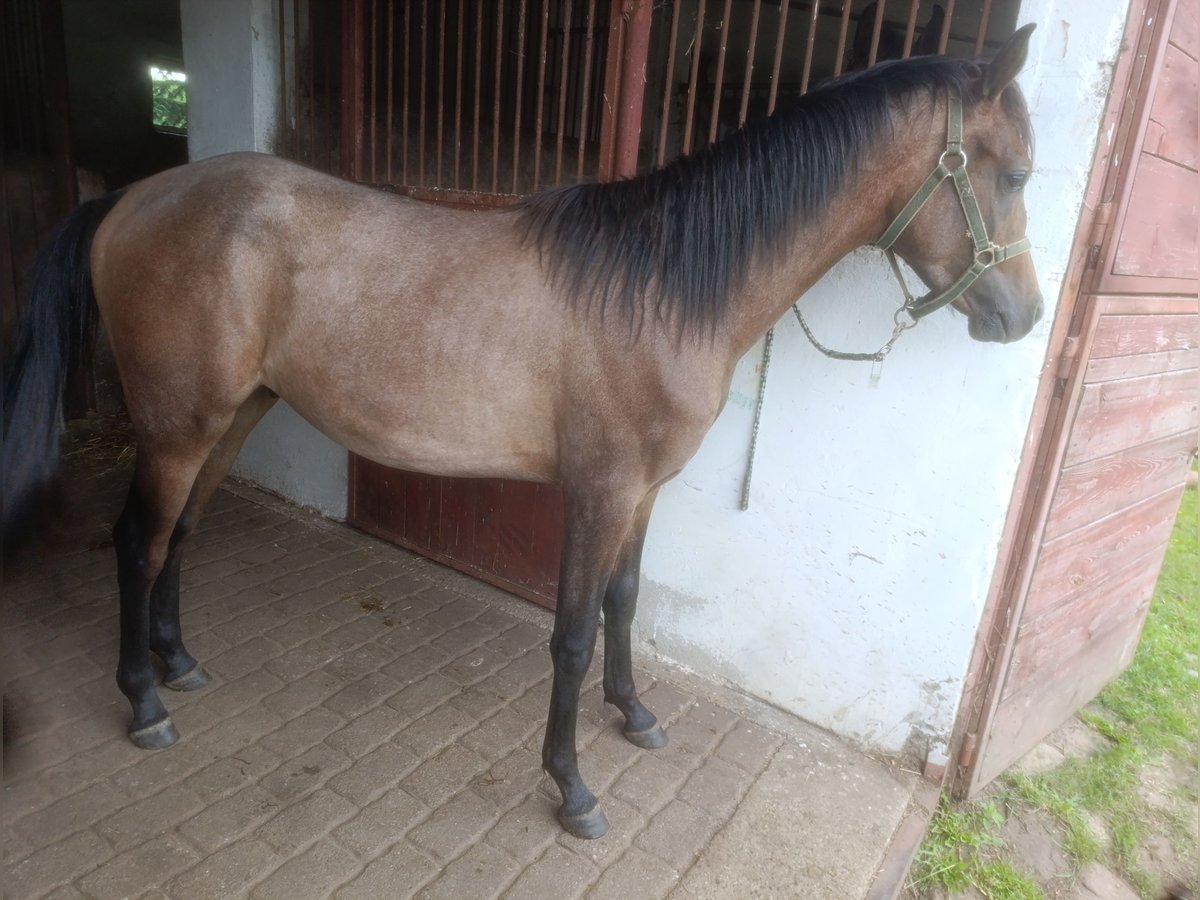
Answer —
231 53
851 591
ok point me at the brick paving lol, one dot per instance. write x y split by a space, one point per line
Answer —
373 729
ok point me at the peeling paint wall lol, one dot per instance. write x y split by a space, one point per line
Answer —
851 591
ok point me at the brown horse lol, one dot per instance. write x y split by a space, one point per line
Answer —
587 337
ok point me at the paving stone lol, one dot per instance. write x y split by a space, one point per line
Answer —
1098 883
230 773
141 821
378 771
303 821
624 823
304 731
233 734
56 863
526 829
413 663
445 774
648 784
558 873
424 696
749 746
300 775
302 694
474 665
433 731
509 778
397 873
70 814
228 819
313 874
136 870
677 833
367 731
480 873
716 787
520 639
381 823
226 873
636 874
454 825
360 696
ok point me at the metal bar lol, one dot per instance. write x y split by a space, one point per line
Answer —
944 39
809 45
612 90
374 78
312 91
423 93
719 81
984 14
405 91
773 94
668 87
283 86
839 58
352 84
911 28
590 28
876 27
516 153
441 90
749 73
391 79
478 88
567 17
633 90
496 99
458 80
541 94
296 80
329 140
693 76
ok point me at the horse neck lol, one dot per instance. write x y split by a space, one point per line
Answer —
888 174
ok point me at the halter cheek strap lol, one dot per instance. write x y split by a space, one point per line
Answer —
951 164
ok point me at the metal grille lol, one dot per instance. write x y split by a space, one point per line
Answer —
714 64
310 82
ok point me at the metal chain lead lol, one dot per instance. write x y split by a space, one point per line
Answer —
758 407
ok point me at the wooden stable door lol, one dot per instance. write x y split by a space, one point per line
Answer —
1114 458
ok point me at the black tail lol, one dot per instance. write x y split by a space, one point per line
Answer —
58 322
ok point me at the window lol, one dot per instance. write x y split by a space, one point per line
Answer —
169 90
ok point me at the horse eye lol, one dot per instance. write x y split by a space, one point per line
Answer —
1014 181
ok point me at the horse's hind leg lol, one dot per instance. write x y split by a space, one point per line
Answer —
620 603
182 672
142 537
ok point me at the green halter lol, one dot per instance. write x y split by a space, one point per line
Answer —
987 253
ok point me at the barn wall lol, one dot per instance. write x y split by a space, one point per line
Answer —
851 591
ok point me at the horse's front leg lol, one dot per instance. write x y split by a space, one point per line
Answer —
620 603
595 530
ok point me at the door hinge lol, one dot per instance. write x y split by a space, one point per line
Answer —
1099 229
966 754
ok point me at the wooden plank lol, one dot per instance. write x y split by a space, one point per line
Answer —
1068 628
1185 30
1159 238
1054 695
1069 565
1117 367
1172 132
1147 305
1099 487
1114 415
1125 335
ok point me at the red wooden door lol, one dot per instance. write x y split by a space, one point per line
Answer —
1122 420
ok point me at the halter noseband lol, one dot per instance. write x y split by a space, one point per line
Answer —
987 253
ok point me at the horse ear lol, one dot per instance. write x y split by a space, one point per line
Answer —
1007 62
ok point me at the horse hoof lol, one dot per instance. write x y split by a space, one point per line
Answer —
191 680
155 737
652 738
588 826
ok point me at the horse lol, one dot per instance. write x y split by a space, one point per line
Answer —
586 337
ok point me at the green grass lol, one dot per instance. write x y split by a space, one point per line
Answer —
1151 711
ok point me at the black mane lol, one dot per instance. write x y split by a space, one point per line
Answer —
679 239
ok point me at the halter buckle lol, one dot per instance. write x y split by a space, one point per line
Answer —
952 153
